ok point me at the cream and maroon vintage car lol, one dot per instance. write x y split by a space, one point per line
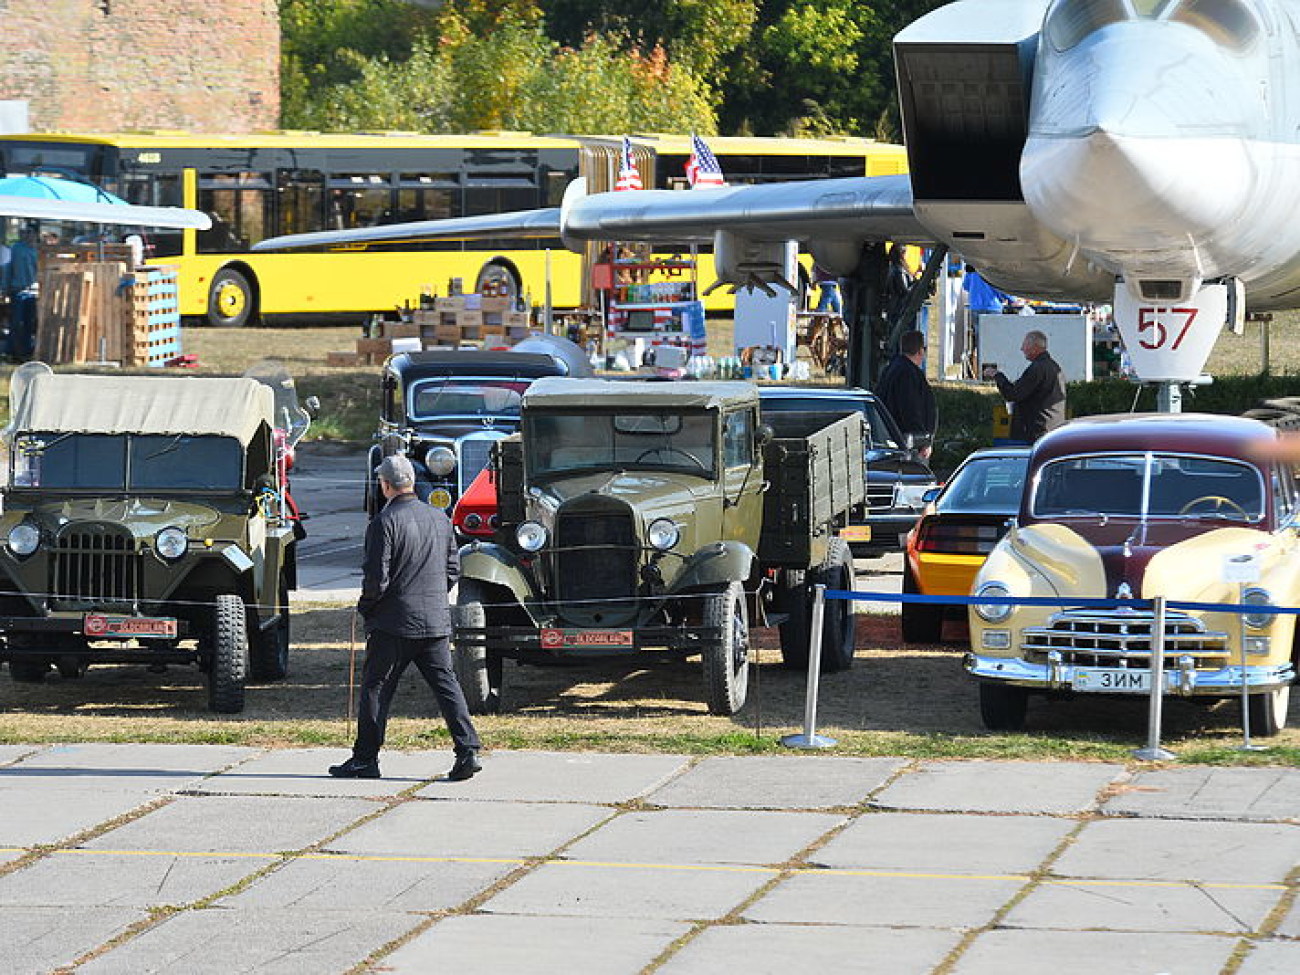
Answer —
1133 507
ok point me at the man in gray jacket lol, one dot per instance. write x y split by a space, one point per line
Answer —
411 563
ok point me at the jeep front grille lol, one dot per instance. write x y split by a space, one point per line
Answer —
595 555
1091 638
94 564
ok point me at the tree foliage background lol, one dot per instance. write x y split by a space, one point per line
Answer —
761 67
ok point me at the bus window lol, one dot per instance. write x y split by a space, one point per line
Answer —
359 200
499 194
302 200
153 190
239 206
427 196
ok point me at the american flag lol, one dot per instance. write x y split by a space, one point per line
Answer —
702 169
628 177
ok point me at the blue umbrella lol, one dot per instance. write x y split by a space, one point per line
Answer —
54 188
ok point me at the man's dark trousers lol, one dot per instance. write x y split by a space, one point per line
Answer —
387 657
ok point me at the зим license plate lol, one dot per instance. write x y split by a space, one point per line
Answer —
1113 680
554 638
96 625
856 533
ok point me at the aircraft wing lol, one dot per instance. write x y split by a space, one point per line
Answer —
37 208
519 223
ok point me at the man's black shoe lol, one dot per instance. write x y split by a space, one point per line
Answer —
352 769
465 767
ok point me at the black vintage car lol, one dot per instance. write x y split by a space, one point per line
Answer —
444 410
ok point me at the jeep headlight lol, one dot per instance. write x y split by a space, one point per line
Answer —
531 536
24 538
1257 597
993 612
171 543
663 534
441 461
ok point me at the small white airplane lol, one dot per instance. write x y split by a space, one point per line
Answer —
116 214
1142 152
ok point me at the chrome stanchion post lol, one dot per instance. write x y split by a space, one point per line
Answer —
1246 745
810 738
1153 751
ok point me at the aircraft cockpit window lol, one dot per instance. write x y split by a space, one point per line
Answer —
1229 23
1070 21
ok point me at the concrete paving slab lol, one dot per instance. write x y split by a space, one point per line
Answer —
125 767
590 777
665 893
1258 794
777 782
9 856
1005 787
1272 958
703 836
218 941
235 824
945 843
892 901
780 949
522 945
1290 926
41 939
80 878
12 753
1135 906
350 884
471 829
305 772
1092 952
1161 849
35 815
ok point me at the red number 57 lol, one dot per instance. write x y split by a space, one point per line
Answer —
1152 320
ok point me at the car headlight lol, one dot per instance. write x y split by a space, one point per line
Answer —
441 461
24 538
171 543
473 521
663 534
993 613
1258 597
531 536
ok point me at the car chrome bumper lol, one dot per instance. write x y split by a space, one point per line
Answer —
1181 681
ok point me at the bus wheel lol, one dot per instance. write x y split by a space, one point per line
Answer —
230 300
498 277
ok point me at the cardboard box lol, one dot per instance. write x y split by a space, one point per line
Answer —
401 330
447 334
494 339
469 319
473 302
380 347
471 332
452 303
497 303
515 319
411 343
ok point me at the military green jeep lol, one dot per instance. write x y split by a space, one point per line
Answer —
146 519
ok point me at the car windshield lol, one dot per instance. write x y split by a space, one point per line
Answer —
560 444
453 396
127 462
881 437
1149 485
985 484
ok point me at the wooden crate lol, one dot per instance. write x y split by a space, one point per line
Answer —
83 312
155 317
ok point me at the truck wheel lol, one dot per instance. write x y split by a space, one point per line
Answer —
478 670
227 655
1002 706
796 631
269 649
70 667
231 302
838 618
28 671
726 660
922 623
1267 711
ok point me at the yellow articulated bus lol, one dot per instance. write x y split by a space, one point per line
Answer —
265 185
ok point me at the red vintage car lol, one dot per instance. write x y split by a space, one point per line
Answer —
475 514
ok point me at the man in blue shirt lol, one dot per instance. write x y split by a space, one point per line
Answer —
19 281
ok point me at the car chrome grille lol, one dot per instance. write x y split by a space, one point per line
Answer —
474 456
880 497
595 554
94 565
1116 639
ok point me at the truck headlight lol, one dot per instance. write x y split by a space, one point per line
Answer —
993 612
1258 597
24 538
531 536
663 534
441 461
171 543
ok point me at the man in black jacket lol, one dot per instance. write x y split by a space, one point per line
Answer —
1038 396
906 393
411 563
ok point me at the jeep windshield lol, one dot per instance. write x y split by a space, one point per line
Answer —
443 396
1149 485
138 463
562 444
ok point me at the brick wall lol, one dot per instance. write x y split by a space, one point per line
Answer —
104 65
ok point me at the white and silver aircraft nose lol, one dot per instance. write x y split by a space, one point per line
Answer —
1129 129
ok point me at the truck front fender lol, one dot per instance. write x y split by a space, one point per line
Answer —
498 566
716 564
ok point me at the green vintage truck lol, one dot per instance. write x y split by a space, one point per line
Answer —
662 518
146 519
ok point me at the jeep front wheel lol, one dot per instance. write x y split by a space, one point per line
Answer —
478 670
726 658
269 648
227 655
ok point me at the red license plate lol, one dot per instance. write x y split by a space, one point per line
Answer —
562 639
103 625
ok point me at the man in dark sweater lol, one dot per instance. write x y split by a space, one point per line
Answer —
1038 396
906 393
411 563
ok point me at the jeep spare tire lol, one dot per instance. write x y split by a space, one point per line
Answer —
227 654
